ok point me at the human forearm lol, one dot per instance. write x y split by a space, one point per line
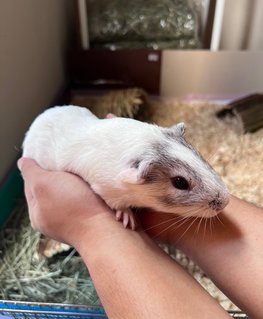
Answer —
229 250
232 255
135 279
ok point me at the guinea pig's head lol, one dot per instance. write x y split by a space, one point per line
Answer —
171 176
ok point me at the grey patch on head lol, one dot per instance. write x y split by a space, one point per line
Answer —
196 152
172 136
163 164
163 167
159 148
161 155
190 147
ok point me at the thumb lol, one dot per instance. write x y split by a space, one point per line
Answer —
29 168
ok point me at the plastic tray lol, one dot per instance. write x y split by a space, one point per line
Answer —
19 310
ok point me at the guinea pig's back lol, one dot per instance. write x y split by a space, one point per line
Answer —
52 132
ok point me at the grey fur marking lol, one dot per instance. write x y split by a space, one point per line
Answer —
165 163
174 138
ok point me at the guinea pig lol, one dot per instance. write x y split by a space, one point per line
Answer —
130 164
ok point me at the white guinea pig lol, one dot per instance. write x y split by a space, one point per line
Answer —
127 162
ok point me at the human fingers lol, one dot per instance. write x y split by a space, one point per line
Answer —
29 168
110 116
30 172
29 194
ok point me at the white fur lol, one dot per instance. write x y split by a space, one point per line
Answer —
72 139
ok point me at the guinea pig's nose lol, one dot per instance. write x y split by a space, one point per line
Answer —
215 204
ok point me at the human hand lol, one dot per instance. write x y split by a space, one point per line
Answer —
61 205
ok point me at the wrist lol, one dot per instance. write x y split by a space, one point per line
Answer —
89 232
99 240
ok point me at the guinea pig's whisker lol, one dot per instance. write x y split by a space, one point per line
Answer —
169 213
161 223
219 219
205 228
176 218
204 221
187 229
211 224
172 225
212 156
198 226
183 221
186 211
193 212
177 221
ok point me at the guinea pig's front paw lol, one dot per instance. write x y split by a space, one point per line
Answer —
127 218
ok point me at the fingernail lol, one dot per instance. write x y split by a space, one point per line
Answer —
19 163
110 116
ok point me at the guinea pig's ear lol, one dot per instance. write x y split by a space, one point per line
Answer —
177 130
131 176
136 173
180 128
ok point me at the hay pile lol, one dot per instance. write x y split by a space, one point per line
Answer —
126 103
25 275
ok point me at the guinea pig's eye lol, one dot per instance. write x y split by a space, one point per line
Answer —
180 182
